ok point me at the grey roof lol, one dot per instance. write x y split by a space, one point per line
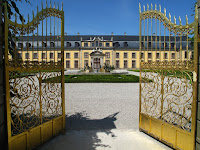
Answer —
105 37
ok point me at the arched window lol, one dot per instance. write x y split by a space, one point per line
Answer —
125 44
68 44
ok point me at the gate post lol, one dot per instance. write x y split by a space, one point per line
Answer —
3 122
198 104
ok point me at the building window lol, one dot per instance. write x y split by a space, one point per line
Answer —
86 55
85 62
19 55
51 55
107 44
142 55
125 63
117 55
125 55
165 45
76 64
116 44
27 56
93 44
149 44
44 44
100 44
186 54
20 45
133 55
43 55
125 44
35 55
172 45
67 55
68 44
165 55
117 63
97 43
133 64
149 55
85 44
52 44
75 55
173 56
107 54
77 44
157 55
59 55
107 62
68 64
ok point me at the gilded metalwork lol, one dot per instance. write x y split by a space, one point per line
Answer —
34 89
168 84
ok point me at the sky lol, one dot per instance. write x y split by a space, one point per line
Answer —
102 17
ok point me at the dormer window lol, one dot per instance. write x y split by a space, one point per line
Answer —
28 44
93 44
20 45
68 44
125 44
100 44
52 44
116 44
77 44
44 44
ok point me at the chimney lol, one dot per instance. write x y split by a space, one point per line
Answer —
65 33
112 33
78 33
124 33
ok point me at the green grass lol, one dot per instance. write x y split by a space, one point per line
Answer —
99 79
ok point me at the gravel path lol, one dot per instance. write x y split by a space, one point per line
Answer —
102 116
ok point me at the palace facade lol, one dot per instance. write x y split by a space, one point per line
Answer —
120 51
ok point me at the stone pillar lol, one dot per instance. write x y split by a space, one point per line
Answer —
3 120
198 104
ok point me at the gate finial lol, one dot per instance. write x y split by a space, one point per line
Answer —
46 4
151 6
50 3
54 5
144 7
180 20
62 6
147 7
155 7
174 20
160 8
58 6
186 20
170 17
139 8
165 11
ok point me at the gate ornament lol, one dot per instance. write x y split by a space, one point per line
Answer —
35 87
168 97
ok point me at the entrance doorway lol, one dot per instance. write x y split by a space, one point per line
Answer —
96 63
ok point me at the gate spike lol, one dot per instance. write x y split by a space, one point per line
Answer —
144 7
54 5
186 19
155 7
139 8
50 3
33 14
165 11
46 4
160 8
58 6
15 18
37 9
170 17
180 20
62 6
147 7
174 20
28 18
151 6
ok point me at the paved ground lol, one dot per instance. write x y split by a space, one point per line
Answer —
102 116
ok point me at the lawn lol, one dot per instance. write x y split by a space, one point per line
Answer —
99 79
